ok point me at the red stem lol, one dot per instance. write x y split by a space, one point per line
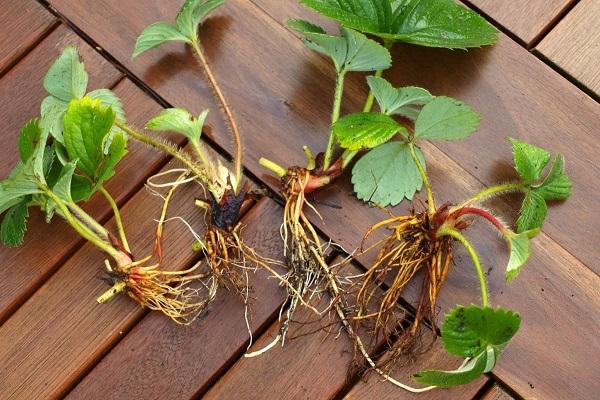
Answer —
482 213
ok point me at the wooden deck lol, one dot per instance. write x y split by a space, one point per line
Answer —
539 83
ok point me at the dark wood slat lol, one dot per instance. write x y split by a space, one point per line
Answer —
527 20
316 367
573 44
497 393
22 24
61 332
178 362
21 93
282 99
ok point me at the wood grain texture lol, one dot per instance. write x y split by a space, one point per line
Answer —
525 19
61 332
22 24
21 93
496 393
574 44
159 359
316 367
281 92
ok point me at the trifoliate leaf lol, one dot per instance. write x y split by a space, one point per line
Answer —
401 101
434 23
387 174
192 13
533 212
67 79
556 185
472 370
28 139
87 127
14 224
366 130
467 331
156 35
519 251
352 51
180 121
444 118
530 160
53 114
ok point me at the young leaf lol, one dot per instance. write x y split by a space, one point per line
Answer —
533 212
352 51
192 13
434 23
156 35
519 251
556 185
467 331
444 118
28 139
109 99
53 111
401 101
180 121
67 79
529 160
387 174
360 130
14 224
115 153
473 369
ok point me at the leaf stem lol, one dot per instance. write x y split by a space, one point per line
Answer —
426 182
237 139
204 157
273 167
448 231
371 96
119 221
335 116
496 190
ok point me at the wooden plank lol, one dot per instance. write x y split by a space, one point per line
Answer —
22 24
289 90
316 367
497 393
527 20
573 44
61 331
181 362
21 93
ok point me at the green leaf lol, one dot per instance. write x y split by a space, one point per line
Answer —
156 35
529 160
62 188
387 174
87 127
533 212
469 330
192 13
109 99
444 118
473 369
519 251
14 224
28 139
556 185
352 51
360 130
433 23
67 79
180 121
401 101
19 184
53 113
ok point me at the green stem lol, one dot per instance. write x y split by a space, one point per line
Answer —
204 157
165 148
273 167
426 183
335 116
90 222
118 219
448 231
80 228
371 97
496 190
237 138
